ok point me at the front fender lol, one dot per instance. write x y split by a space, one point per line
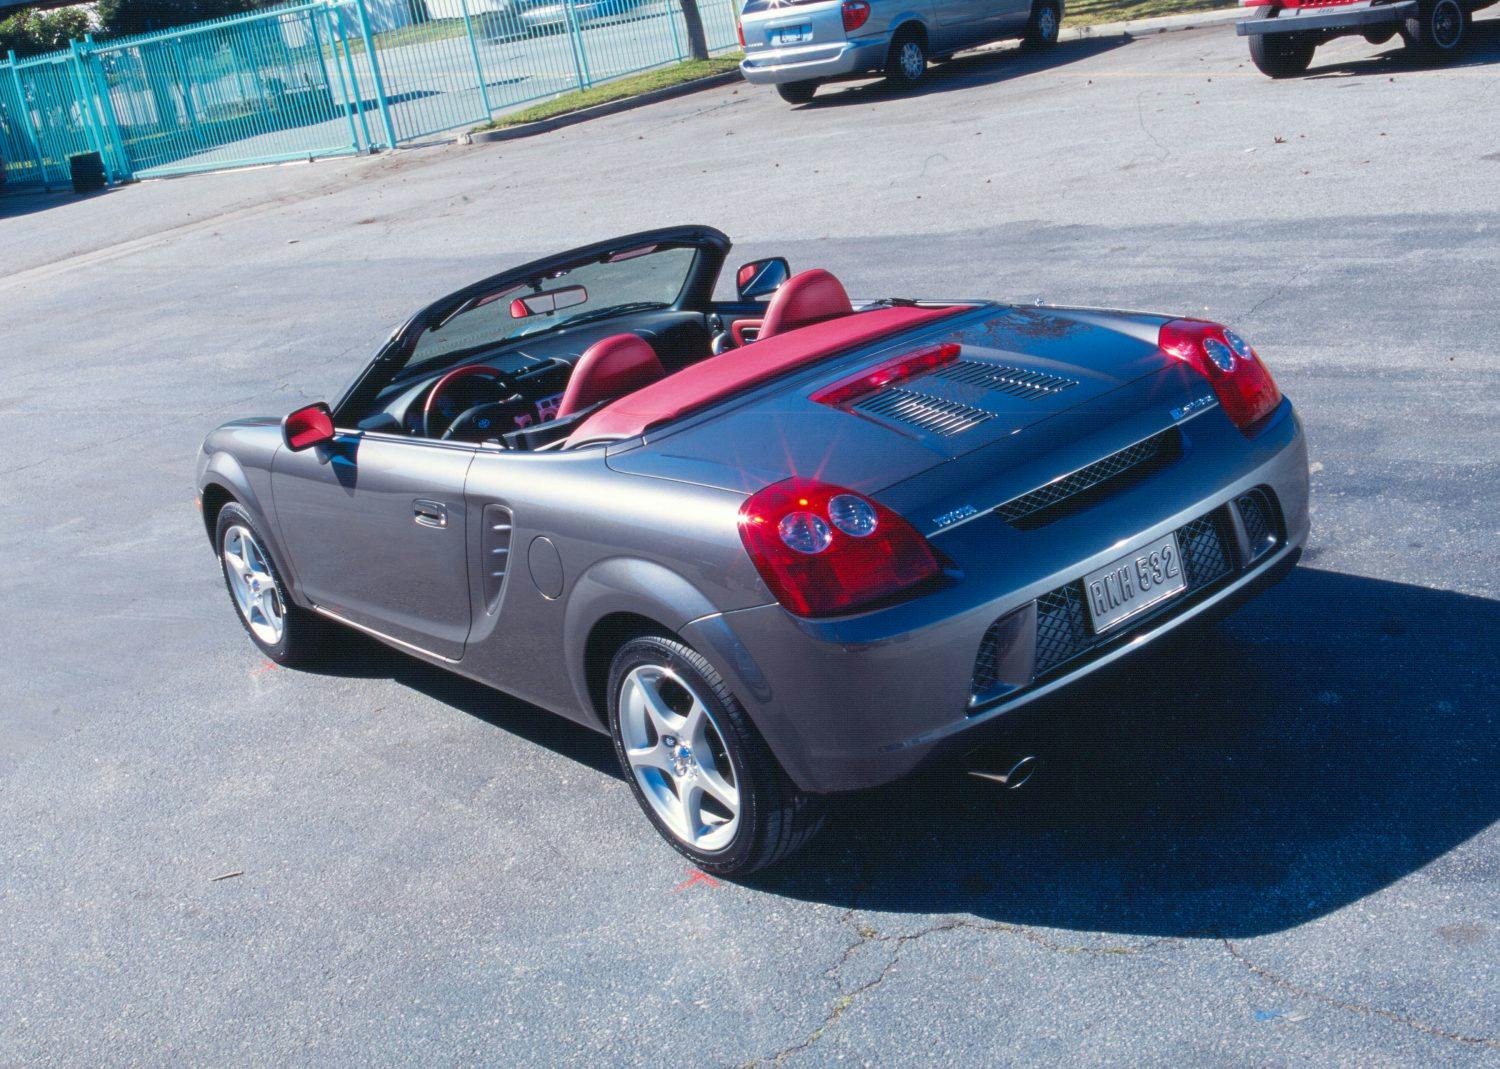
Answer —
244 473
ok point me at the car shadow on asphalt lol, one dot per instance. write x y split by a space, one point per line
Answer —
1332 737
968 72
1483 50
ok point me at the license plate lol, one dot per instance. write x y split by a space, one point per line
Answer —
790 35
1142 578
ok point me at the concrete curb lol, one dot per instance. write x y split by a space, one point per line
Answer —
598 111
1147 27
1129 28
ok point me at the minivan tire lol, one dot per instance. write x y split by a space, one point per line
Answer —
906 62
1044 26
797 92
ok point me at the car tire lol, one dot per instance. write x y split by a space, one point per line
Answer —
288 634
797 92
1044 26
668 708
906 61
1282 55
1438 33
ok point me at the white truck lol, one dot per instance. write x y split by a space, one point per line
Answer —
1284 33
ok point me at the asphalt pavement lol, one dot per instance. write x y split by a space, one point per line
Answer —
1268 842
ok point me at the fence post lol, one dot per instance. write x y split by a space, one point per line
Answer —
31 131
337 28
85 100
123 171
484 93
385 107
676 37
312 23
580 56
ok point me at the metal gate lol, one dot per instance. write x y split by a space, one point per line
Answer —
320 78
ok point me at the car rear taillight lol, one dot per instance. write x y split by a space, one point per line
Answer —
1244 386
888 373
824 550
856 14
739 31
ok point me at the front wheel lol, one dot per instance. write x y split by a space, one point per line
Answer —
1282 55
906 62
1438 32
1045 24
697 766
283 631
797 92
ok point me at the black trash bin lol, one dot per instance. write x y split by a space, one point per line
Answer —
87 169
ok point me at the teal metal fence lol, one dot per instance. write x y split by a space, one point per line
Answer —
320 78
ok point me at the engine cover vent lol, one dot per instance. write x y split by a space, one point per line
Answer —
1002 378
497 524
936 415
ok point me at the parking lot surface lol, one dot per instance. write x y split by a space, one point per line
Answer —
1267 842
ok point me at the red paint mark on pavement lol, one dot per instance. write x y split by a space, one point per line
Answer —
697 877
265 666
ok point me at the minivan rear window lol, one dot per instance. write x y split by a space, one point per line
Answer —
752 6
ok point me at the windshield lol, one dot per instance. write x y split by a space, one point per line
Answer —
649 277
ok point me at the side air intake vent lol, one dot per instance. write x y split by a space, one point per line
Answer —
497 524
1002 378
936 415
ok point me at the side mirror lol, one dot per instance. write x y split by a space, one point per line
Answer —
307 427
761 278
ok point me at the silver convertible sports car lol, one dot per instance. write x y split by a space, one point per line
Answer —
776 545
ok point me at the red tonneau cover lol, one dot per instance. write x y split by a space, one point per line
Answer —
719 376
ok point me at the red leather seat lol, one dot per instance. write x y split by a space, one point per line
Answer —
805 299
610 368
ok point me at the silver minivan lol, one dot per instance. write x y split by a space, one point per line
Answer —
796 44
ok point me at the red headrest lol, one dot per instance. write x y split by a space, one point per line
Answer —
803 300
610 368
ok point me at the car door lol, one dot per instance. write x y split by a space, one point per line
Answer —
375 526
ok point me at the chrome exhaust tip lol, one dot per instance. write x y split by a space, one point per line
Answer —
1012 774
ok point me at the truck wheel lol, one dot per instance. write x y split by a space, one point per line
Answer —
906 62
797 92
1042 30
1282 55
1438 33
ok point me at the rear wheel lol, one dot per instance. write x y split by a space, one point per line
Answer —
1438 32
906 62
283 631
797 92
1045 24
697 766
1282 55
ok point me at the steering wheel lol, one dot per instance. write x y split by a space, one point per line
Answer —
442 384
488 419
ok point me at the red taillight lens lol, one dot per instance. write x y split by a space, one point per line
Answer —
739 31
856 14
1243 385
897 369
824 550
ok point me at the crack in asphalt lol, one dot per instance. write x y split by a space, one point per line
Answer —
1280 289
865 935
1353 1007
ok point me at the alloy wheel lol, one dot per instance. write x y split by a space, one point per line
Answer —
913 61
1447 24
253 586
1046 24
679 757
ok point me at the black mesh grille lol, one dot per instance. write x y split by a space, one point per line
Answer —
1002 378
937 415
1156 448
1063 631
1259 517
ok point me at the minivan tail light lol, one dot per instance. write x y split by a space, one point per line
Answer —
739 31
1242 383
888 373
823 550
856 14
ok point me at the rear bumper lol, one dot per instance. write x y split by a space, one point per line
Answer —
1324 21
784 65
858 702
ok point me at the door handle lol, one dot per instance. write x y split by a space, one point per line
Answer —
430 513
